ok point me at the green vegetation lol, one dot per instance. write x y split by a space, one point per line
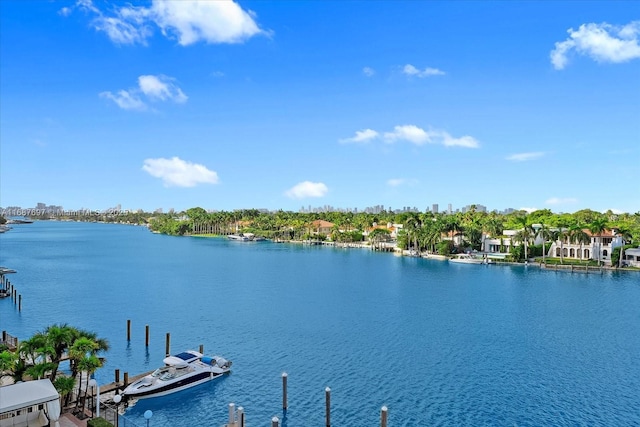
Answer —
98 422
39 357
420 230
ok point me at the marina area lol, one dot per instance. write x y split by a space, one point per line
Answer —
437 343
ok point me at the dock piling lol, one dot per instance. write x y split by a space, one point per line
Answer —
19 302
240 416
117 376
146 335
327 397
383 417
128 330
201 349
275 422
232 415
284 391
167 347
126 379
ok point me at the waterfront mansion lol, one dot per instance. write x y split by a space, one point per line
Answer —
595 247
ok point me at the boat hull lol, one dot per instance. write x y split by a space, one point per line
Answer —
182 384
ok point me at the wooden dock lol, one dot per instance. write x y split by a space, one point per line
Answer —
119 386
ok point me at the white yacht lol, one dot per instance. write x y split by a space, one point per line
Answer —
466 259
239 237
180 372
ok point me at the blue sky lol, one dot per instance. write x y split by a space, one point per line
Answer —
279 105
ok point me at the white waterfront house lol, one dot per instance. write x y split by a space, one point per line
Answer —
599 247
632 257
504 243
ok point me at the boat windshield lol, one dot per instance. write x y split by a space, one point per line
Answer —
158 372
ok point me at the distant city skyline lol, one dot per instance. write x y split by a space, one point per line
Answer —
41 207
226 104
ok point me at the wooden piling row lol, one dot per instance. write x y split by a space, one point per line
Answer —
238 420
16 298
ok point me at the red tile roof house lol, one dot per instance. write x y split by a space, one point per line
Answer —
604 243
320 226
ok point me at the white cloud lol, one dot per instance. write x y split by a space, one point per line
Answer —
396 182
217 74
523 157
162 88
615 211
415 135
176 172
410 133
410 70
307 189
65 11
125 100
529 210
362 136
153 88
602 42
464 141
129 25
190 21
560 201
209 21
368 71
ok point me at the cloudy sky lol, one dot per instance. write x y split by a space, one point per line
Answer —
278 105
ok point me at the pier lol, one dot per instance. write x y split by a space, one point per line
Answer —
575 268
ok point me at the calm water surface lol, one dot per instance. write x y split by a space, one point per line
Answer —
439 344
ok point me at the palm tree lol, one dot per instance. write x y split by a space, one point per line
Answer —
88 364
39 370
545 234
65 386
597 227
626 236
60 338
561 235
525 233
82 354
8 361
578 235
411 227
493 226
453 226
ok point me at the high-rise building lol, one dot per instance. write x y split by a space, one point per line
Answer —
434 208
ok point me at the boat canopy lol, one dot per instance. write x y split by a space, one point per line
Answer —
181 359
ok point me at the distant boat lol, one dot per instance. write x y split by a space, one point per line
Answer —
246 237
436 257
466 259
19 221
238 237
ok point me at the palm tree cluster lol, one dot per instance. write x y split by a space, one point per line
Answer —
40 356
420 230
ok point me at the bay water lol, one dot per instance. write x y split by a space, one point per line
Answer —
439 344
